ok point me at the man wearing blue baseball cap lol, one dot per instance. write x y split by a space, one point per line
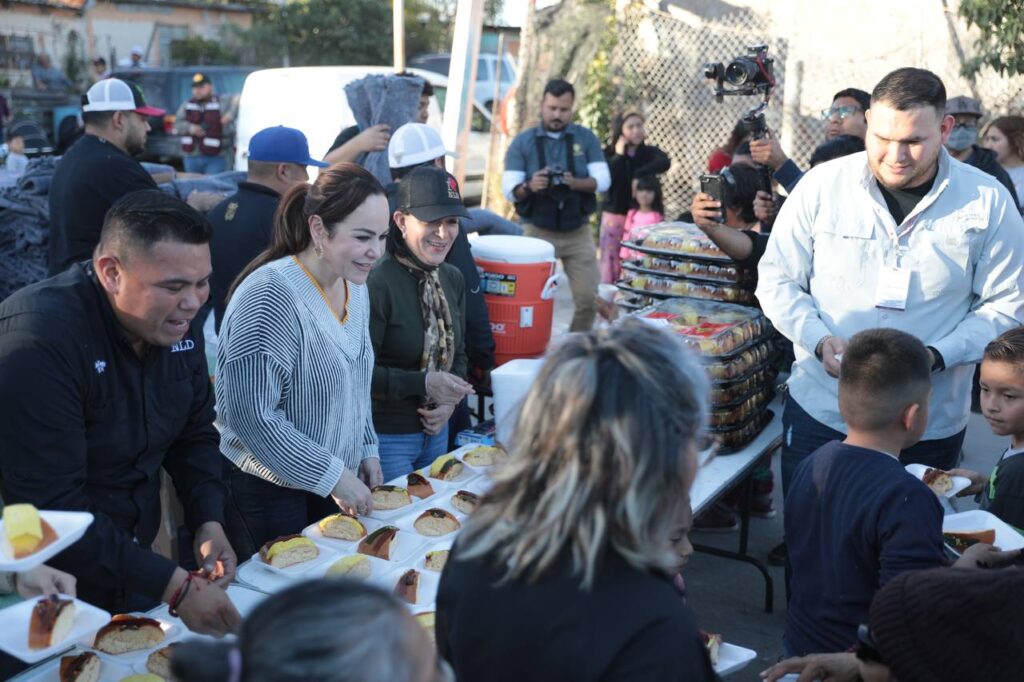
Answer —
243 223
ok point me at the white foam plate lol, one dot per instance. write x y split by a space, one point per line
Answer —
426 595
172 632
467 474
959 482
462 451
50 672
313 532
732 658
298 571
977 519
69 526
405 546
378 567
421 563
15 620
407 523
254 576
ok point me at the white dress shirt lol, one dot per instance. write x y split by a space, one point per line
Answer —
830 242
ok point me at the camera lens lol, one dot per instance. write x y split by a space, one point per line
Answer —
741 71
711 70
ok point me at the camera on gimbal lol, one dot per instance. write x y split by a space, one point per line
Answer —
751 74
748 75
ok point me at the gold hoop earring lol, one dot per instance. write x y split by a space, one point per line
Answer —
318 250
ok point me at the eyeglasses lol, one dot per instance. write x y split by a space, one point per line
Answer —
969 125
866 649
842 112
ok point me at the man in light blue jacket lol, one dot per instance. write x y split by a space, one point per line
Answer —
901 236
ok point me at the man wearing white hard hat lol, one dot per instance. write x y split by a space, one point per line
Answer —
98 169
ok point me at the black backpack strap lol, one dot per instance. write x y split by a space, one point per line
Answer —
570 157
541 156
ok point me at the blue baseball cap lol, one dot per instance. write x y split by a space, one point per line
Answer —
282 145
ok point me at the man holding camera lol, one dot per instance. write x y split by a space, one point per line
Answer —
553 173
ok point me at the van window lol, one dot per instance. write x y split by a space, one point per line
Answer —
483 70
507 73
479 122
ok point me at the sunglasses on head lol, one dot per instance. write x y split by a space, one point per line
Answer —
842 112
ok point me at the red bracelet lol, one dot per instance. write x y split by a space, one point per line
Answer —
179 594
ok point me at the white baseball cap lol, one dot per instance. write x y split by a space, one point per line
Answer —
415 143
114 94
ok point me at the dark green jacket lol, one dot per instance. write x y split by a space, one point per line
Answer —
396 330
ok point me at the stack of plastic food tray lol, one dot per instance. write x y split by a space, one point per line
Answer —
737 347
677 259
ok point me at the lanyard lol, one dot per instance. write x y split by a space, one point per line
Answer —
896 237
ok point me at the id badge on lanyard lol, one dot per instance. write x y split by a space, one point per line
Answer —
894 279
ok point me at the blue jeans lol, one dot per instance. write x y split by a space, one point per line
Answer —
207 165
803 434
486 222
403 453
258 510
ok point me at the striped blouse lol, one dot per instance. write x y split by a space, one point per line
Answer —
293 385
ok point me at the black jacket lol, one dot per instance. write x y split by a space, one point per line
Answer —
648 160
88 424
242 228
985 160
88 180
479 340
631 626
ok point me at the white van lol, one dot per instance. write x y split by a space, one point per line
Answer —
312 99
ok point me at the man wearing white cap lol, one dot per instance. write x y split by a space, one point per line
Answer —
98 169
135 61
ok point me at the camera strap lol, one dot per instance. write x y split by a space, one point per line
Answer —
570 157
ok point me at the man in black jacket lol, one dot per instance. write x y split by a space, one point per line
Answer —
105 383
966 113
414 145
98 169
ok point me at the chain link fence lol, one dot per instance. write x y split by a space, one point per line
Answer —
661 61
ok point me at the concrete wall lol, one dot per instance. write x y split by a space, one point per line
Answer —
116 27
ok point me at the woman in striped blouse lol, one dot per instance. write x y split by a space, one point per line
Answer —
295 362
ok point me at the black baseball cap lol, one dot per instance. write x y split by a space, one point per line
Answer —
200 79
431 193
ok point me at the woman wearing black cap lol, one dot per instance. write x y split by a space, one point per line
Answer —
417 325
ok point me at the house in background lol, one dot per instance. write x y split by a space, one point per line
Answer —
105 28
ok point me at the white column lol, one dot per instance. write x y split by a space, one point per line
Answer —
458 110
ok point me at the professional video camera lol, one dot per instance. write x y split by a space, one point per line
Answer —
748 75
752 74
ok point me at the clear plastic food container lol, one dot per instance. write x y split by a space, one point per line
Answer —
726 273
726 417
679 238
711 291
728 394
715 329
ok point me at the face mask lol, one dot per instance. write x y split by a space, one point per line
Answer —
961 138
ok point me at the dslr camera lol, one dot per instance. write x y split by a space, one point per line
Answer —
749 74
556 177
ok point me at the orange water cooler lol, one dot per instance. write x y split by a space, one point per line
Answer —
517 276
